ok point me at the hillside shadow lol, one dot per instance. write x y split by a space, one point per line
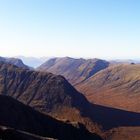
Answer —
21 117
111 117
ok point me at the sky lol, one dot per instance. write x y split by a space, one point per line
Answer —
75 28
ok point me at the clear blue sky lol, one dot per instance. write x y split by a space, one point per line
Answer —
77 28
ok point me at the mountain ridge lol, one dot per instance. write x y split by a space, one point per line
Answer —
116 86
15 61
74 70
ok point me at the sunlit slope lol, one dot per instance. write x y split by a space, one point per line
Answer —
117 86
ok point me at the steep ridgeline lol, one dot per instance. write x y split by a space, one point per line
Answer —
117 86
42 90
74 70
53 95
28 123
15 61
47 93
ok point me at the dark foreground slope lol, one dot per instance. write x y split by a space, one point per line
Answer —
74 70
7 133
23 118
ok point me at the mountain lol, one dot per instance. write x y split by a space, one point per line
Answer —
25 120
33 61
53 95
117 86
15 61
45 92
18 83
74 70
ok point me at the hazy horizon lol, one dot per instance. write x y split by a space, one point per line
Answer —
87 28
49 57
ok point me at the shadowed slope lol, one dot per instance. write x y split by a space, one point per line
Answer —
110 118
7 133
16 115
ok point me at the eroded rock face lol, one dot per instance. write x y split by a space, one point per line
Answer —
38 89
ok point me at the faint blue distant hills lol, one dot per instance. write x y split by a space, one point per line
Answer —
36 62
33 61
136 61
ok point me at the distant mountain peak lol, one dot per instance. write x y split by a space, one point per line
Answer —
15 61
75 70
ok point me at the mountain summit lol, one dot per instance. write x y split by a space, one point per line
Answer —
74 70
15 61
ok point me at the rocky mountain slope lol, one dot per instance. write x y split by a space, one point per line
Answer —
117 86
38 88
53 95
74 70
15 61
45 92
26 120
